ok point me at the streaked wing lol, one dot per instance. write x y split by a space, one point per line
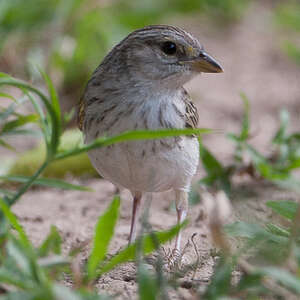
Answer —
81 114
191 114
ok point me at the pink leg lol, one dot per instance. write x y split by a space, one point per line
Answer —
135 209
181 208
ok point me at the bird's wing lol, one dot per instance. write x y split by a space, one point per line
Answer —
191 113
80 114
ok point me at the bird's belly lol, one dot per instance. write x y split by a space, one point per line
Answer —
149 166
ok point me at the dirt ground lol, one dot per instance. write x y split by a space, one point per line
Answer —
254 64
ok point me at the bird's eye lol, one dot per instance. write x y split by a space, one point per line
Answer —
202 55
169 48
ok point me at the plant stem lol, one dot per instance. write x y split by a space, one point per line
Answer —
26 186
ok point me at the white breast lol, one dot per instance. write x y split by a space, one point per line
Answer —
150 166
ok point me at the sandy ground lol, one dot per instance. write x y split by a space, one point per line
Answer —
253 63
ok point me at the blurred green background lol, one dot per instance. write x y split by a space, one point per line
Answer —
68 38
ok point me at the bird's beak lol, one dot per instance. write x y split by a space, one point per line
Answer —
205 63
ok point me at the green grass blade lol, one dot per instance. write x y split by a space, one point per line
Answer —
39 110
63 292
56 122
18 254
285 208
210 163
30 132
220 284
27 185
292 50
7 112
10 278
103 233
48 182
128 254
22 120
148 289
55 132
53 94
6 145
131 136
216 173
278 230
252 232
15 223
281 135
52 243
5 95
245 123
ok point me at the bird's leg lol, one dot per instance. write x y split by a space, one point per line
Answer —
181 208
135 209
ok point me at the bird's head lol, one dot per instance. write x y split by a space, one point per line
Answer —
164 54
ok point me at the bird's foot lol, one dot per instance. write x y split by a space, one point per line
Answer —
172 258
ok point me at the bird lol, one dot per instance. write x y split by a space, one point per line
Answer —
139 86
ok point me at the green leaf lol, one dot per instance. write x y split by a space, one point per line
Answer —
289 182
128 254
52 262
294 164
9 277
250 282
56 118
147 285
15 223
103 233
52 243
210 163
214 169
49 182
24 261
280 135
22 120
19 255
241 138
252 232
6 145
275 229
63 292
22 132
287 14
243 229
292 50
5 95
220 282
285 208
244 135
5 113
131 136
18 295
55 129
4 75
45 127
279 177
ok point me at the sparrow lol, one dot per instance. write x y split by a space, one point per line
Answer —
139 86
